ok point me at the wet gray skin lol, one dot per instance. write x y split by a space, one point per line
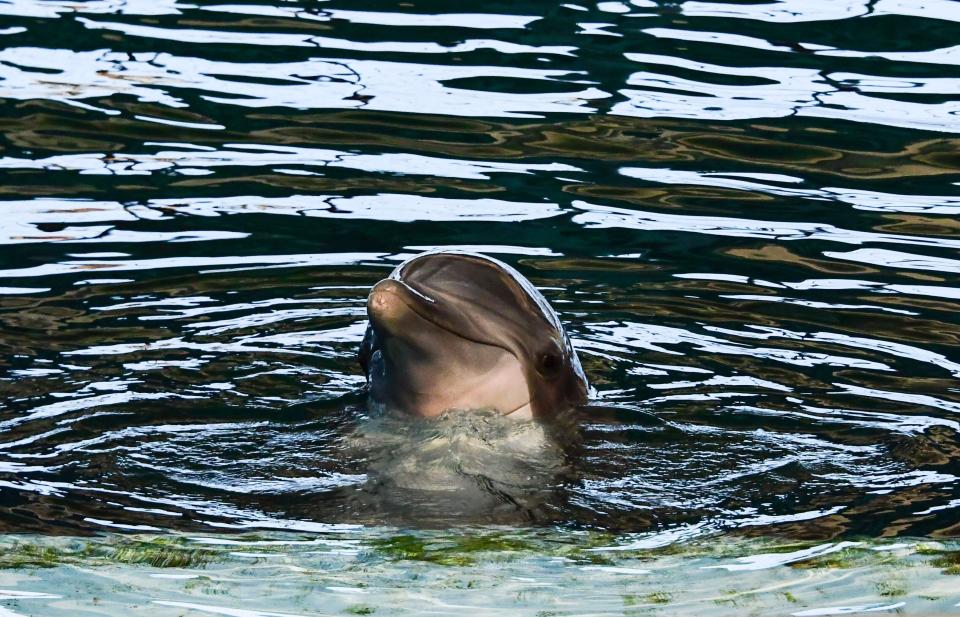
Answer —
459 331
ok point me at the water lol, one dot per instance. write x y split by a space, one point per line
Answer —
744 213
480 573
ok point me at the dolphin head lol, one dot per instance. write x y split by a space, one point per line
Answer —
456 331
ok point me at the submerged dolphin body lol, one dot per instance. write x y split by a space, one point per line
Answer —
459 331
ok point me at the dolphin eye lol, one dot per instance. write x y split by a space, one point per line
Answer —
550 363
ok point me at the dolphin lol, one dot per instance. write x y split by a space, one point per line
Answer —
452 330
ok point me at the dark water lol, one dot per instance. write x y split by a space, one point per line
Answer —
746 213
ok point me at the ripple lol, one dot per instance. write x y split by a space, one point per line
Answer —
213 37
602 217
362 83
191 162
743 212
800 11
784 92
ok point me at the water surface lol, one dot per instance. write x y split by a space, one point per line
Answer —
745 213
471 572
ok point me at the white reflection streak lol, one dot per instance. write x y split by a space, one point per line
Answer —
794 11
772 560
922 400
275 39
347 334
867 419
496 249
899 350
683 533
125 527
53 8
257 155
211 328
849 610
858 198
7 291
780 11
896 259
180 343
67 267
231 484
351 545
723 38
383 206
380 207
783 92
6 612
244 519
485 21
222 610
58 409
653 337
199 432
312 84
953 503
605 217
481 21
188 310
886 482
395 207
946 55
819 305
720 380
935 291
16 594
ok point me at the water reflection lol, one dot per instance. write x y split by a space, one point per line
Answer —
743 212
28 73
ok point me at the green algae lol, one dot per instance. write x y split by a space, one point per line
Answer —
161 554
470 548
157 552
892 588
601 549
521 568
948 561
657 597
702 549
494 543
731 597
22 555
412 548
452 551
846 559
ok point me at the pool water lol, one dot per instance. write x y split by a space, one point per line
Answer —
745 214
487 571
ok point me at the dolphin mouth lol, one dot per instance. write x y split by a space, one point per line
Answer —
391 305
523 412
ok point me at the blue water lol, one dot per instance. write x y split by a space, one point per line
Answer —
744 213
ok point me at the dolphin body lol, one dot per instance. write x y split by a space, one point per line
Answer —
451 331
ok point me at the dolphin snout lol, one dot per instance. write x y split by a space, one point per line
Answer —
386 300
